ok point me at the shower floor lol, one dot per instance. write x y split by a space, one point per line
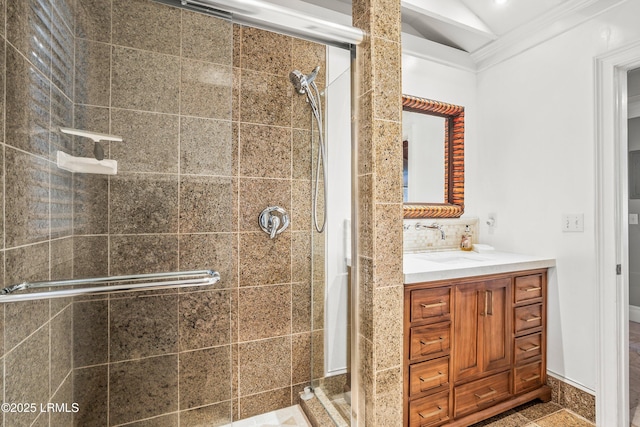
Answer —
287 417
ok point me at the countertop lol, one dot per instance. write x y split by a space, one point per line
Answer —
431 266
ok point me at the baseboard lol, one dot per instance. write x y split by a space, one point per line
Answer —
634 313
571 395
571 383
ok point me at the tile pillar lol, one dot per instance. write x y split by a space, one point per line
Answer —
380 280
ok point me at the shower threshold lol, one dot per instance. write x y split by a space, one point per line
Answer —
289 417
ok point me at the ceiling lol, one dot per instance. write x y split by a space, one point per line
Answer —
474 26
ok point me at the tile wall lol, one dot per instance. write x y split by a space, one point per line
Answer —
213 133
424 239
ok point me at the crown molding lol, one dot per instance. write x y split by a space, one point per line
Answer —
436 52
547 26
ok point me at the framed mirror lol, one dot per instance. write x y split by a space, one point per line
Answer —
433 158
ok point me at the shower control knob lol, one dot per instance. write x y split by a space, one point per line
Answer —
273 220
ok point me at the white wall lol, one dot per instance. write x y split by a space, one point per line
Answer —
431 80
536 121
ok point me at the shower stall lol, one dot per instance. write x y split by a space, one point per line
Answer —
212 132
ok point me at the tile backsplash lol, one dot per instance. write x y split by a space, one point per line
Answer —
425 239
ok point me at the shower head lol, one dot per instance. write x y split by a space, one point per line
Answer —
300 81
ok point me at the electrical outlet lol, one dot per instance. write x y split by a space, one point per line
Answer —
572 222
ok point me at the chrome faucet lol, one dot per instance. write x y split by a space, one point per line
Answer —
434 226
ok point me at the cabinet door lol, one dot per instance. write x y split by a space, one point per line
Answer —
496 324
468 301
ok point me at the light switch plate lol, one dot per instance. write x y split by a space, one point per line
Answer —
633 219
572 222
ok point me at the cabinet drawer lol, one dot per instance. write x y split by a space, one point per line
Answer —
481 394
528 317
430 304
430 340
528 377
429 411
528 347
528 288
427 376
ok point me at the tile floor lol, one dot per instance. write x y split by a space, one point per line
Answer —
537 414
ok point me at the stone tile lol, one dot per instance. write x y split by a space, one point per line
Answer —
274 60
387 25
217 252
306 55
301 358
28 18
199 138
90 333
204 319
142 80
386 57
317 354
206 204
170 420
301 155
257 194
92 68
213 415
93 20
264 402
3 75
365 137
26 199
143 327
366 213
65 11
61 114
25 264
301 256
301 307
237 45
205 377
42 420
91 204
150 141
206 38
265 151
265 98
388 154
62 53
205 89
143 204
61 202
264 261
143 388
388 396
146 25
388 235
62 261
143 254
387 324
264 312
302 192
264 365
318 296
90 391
27 105
235 94
23 383
91 256
366 297
563 418
580 402
61 348
536 409
64 396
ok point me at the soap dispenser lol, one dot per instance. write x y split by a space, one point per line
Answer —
465 242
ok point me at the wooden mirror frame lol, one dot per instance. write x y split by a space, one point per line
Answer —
453 207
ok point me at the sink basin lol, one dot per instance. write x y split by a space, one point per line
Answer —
453 257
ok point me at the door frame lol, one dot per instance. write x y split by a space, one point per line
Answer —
611 233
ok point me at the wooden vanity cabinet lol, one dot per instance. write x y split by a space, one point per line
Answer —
474 347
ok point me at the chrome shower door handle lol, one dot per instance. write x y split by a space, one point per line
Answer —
273 220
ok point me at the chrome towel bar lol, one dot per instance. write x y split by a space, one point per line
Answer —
137 282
